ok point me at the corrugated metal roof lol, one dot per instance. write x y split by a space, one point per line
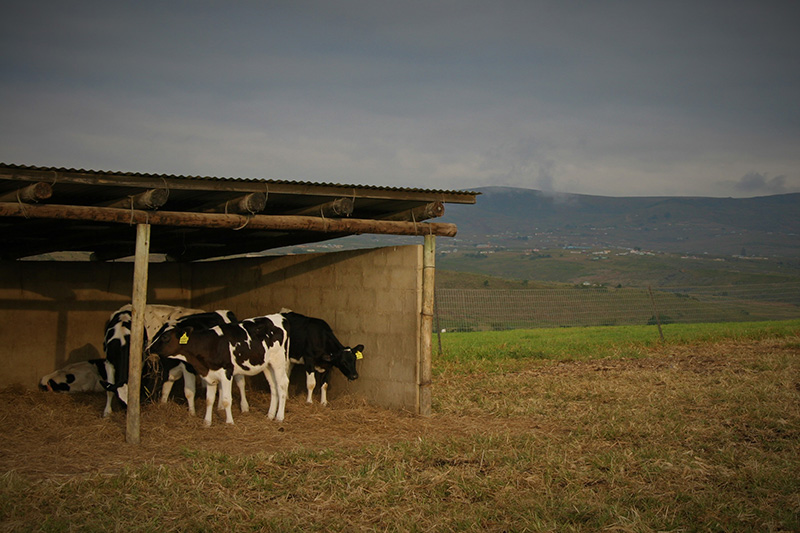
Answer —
236 179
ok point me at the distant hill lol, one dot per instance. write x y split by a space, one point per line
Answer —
527 218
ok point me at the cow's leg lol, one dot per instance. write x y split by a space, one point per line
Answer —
172 376
311 382
227 398
324 377
109 395
211 392
220 407
324 393
273 391
239 379
282 380
189 389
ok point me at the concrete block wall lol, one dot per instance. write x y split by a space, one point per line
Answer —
369 297
52 314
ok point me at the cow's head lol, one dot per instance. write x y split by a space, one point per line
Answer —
59 383
169 340
346 361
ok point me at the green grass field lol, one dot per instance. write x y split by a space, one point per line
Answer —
497 351
579 429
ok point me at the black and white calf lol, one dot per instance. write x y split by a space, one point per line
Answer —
218 354
84 376
174 369
116 346
313 344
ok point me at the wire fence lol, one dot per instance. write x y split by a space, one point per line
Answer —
487 309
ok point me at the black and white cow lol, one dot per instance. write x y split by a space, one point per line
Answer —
84 376
116 345
174 369
218 354
313 344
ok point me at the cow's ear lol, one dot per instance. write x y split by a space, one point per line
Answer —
358 351
179 331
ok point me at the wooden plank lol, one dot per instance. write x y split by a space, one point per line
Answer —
140 265
218 220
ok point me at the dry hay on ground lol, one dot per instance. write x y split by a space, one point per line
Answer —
50 434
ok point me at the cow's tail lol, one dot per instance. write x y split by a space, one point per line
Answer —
288 364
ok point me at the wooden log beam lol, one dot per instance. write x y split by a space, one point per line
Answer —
218 220
149 199
340 207
423 212
31 193
249 203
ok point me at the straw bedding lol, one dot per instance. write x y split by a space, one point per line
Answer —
51 434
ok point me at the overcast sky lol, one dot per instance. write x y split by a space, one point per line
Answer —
617 98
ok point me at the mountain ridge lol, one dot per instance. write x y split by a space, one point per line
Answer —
524 218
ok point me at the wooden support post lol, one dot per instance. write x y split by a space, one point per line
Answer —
140 266
426 334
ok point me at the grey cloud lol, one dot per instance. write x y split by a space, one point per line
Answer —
756 182
608 98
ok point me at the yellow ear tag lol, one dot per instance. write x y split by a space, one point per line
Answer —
359 355
184 339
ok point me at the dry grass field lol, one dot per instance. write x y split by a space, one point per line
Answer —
693 437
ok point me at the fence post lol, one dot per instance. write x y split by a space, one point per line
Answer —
436 321
655 312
